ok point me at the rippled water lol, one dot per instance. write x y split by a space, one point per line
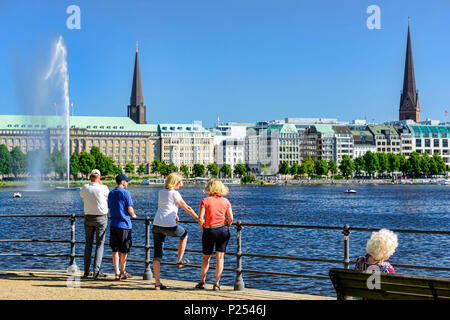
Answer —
401 207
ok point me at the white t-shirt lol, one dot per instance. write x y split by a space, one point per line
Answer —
167 208
95 196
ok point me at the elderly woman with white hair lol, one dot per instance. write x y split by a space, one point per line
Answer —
380 247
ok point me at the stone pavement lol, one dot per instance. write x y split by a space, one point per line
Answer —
39 284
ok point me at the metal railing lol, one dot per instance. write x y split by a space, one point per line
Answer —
238 270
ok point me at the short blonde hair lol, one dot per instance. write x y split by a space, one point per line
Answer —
215 186
382 244
172 180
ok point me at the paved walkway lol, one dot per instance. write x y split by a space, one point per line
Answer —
52 285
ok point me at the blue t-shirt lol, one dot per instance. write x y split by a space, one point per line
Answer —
119 200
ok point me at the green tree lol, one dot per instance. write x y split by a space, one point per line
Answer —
394 162
74 165
240 169
295 169
425 163
332 167
226 170
18 162
415 164
213 170
5 160
383 162
405 166
308 165
347 166
440 164
198 170
320 167
371 163
360 165
129 168
59 163
283 168
156 166
172 168
87 162
141 169
185 170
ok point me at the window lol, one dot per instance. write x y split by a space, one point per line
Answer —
418 142
436 143
427 143
445 143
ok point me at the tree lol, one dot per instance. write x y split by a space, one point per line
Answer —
440 164
213 170
5 160
394 162
283 168
425 163
347 166
74 165
18 162
59 163
295 169
360 165
87 162
320 167
332 167
163 169
415 163
383 162
129 168
185 170
172 168
240 169
198 170
141 169
308 165
226 170
371 163
156 166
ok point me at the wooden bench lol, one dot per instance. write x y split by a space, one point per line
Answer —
352 283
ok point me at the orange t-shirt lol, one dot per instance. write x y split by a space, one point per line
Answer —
215 210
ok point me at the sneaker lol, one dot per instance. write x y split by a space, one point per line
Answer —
99 275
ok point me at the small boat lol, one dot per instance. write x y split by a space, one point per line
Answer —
350 191
17 195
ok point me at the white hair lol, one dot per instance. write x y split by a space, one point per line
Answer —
382 244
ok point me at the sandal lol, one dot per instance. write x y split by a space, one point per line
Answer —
125 275
216 287
117 277
200 285
182 263
160 287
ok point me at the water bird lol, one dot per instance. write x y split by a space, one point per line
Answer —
17 195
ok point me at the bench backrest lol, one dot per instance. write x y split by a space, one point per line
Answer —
389 286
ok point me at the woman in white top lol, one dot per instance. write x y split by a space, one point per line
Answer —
166 224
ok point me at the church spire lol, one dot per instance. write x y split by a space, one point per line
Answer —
409 99
137 109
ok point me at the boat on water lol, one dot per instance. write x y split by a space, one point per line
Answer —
445 182
199 180
68 189
17 195
350 191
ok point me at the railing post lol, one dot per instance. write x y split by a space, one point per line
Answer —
148 275
73 263
346 233
239 281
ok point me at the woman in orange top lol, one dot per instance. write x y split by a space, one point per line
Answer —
218 216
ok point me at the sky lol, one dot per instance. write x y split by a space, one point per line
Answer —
239 60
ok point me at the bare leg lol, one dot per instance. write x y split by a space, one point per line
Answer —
181 249
219 266
205 267
156 266
123 262
115 258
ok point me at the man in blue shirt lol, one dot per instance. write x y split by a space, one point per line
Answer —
121 211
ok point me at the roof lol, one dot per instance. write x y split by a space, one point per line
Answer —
281 128
341 130
26 122
382 129
324 128
424 130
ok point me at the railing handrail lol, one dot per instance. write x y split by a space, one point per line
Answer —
239 270
244 224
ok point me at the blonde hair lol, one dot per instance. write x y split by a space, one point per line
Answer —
382 244
172 180
215 186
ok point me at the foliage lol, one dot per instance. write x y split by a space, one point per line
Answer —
240 169
129 168
347 166
213 170
283 168
198 170
184 170
321 167
226 170
18 162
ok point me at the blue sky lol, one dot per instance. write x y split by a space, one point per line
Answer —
242 60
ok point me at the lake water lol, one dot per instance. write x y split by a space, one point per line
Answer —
423 207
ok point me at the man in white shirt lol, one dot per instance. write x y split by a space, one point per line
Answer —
95 196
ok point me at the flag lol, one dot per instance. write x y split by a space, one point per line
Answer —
54 104
71 104
446 113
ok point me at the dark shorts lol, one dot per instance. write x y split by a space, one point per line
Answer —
120 240
215 236
159 236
